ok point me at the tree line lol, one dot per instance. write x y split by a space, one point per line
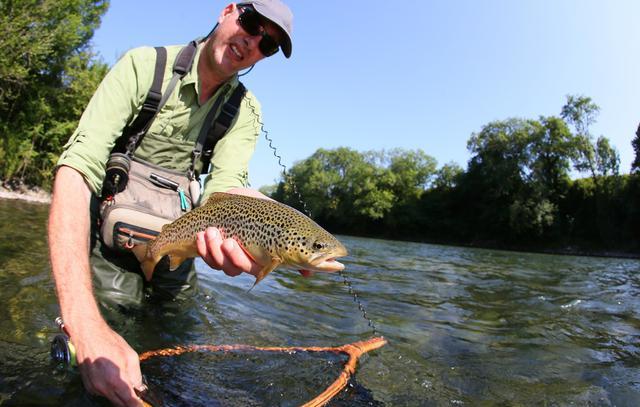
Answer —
516 192
47 76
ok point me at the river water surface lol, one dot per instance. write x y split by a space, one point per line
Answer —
466 327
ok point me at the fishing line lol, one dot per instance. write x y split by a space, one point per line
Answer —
288 178
63 351
285 173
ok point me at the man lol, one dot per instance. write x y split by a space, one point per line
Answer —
109 366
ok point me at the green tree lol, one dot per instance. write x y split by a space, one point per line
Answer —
635 143
410 173
341 187
598 157
581 112
607 158
47 75
602 161
496 176
447 177
550 150
360 192
517 175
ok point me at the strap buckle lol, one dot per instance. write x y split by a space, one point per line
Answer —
207 153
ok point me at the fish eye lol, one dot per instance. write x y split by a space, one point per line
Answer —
318 246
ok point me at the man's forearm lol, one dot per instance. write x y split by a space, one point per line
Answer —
108 365
68 231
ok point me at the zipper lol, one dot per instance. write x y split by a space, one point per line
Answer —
131 232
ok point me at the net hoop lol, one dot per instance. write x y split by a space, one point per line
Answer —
354 350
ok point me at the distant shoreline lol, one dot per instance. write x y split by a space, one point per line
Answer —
38 195
34 195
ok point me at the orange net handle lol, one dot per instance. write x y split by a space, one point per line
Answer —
353 350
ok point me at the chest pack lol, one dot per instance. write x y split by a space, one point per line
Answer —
138 197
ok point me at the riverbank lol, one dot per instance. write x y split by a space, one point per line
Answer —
29 194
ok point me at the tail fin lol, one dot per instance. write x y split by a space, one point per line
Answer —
147 263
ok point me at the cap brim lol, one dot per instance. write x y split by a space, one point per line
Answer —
285 42
286 46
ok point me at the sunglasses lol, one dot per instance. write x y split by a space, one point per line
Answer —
251 21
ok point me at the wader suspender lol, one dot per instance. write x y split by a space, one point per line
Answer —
210 135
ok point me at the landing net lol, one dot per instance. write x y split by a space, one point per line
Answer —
352 352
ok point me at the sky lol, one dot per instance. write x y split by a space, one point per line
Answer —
416 74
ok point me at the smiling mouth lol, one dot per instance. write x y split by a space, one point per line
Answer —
236 51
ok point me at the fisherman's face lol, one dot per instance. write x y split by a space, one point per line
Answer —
232 48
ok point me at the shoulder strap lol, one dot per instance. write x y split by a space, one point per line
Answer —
150 107
133 134
213 130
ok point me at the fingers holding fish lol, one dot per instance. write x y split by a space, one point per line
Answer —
238 258
224 254
208 243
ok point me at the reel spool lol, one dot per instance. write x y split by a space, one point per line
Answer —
117 173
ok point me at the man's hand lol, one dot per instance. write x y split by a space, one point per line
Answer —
108 365
224 254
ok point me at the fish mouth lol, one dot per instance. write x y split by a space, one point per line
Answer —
328 262
328 265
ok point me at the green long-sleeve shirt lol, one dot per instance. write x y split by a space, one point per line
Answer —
172 136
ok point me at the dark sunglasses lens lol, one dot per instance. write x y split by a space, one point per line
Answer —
250 22
268 46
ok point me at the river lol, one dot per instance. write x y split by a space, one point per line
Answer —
466 327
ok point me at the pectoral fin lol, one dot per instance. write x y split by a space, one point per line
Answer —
275 262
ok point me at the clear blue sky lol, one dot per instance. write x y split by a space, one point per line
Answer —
416 74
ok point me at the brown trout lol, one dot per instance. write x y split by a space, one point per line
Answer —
271 233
